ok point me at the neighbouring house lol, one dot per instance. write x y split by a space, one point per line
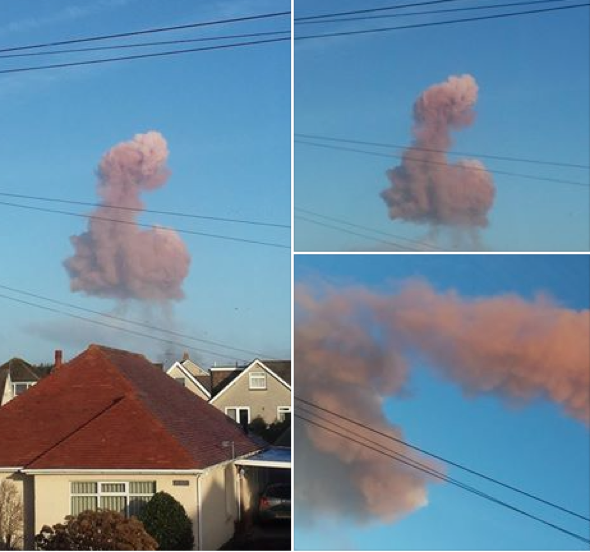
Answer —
108 430
17 375
192 376
260 389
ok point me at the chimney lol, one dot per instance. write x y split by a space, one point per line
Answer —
185 356
58 356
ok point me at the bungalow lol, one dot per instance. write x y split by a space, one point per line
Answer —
108 430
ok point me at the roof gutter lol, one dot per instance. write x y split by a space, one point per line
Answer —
125 471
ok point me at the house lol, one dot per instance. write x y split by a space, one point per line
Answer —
108 429
260 389
192 376
16 376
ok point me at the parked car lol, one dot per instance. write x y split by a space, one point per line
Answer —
275 502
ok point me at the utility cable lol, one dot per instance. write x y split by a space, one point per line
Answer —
141 210
194 25
386 452
372 10
150 226
341 221
445 460
450 152
104 324
438 23
353 233
147 44
427 12
428 162
142 56
133 322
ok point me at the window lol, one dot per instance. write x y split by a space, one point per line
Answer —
121 496
182 381
258 381
20 388
240 414
283 413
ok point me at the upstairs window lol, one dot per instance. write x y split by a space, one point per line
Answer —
258 380
182 381
20 388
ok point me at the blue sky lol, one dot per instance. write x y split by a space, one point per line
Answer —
533 79
226 117
535 447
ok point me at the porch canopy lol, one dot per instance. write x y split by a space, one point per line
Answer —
274 457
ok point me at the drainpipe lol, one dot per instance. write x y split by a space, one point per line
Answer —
199 514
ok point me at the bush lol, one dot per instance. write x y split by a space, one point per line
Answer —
165 519
100 530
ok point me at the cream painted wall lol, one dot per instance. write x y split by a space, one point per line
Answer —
176 373
262 402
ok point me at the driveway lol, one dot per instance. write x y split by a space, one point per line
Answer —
268 536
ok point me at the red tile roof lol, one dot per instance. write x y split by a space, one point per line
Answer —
112 409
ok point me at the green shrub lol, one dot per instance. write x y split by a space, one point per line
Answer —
96 530
165 519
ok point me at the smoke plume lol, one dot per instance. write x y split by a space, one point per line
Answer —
425 187
120 260
351 353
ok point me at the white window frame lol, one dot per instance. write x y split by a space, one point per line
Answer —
29 384
237 409
100 493
257 376
281 410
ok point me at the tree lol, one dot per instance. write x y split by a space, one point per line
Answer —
96 530
11 516
165 519
269 432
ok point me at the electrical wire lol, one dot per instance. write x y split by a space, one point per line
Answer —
147 44
133 322
141 225
104 324
450 152
141 56
341 221
139 210
445 460
372 10
438 23
428 162
468 488
194 25
353 233
428 12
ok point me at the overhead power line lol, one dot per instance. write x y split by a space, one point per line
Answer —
134 323
372 10
119 328
416 465
150 226
429 162
443 459
426 12
142 56
353 233
152 211
193 25
450 152
438 23
342 221
144 44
